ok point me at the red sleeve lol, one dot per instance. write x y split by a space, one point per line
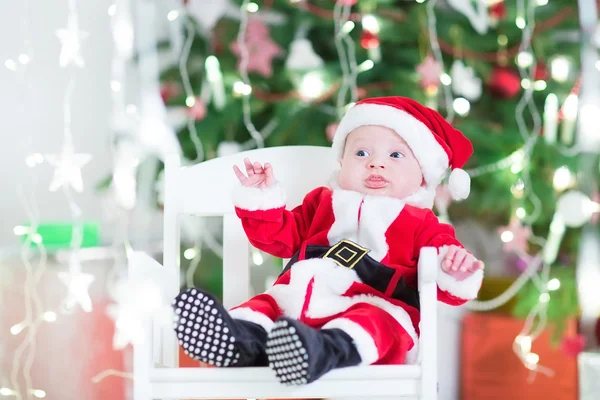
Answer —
439 235
267 223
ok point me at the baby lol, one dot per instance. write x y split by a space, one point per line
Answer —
349 294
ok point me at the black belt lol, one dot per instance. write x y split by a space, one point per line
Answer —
371 272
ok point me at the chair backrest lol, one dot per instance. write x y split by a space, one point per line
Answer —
205 189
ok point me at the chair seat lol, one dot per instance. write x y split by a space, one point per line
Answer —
400 381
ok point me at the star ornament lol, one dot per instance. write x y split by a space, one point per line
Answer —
515 236
70 39
430 71
78 284
67 170
261 49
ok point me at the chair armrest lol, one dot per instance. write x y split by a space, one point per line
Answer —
428 266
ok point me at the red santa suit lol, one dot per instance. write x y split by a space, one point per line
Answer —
324 294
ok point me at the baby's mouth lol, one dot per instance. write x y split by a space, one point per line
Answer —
375 182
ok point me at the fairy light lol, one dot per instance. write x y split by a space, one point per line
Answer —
312 85
560 68
563 179
445 79
173 15
252 7
553 284
241 89
461 106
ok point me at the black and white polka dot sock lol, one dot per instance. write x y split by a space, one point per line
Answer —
299 354
207 332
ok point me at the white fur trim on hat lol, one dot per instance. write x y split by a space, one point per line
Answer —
459 184
428 152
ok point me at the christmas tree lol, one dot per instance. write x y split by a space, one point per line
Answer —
506 73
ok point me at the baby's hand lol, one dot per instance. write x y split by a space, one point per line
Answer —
258 176
459 261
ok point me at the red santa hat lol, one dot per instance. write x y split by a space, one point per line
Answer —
436 145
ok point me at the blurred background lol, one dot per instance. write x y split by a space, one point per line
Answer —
97 93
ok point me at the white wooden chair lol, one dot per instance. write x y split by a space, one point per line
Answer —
205 190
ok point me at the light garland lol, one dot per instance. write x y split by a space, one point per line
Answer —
68 165
244 59
348 61
24 353
437 54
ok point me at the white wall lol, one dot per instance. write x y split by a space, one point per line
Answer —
31 104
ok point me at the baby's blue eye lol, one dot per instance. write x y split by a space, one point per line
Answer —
397 154
362 153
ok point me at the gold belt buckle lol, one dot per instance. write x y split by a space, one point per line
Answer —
346 253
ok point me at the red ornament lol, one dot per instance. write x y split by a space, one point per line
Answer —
540 72
572 346
346 2
369 40
498 11
198 110
504 82
168 90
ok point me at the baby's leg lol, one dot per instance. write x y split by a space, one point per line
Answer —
381 336
363 334
211 334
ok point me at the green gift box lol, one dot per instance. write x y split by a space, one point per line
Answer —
58 235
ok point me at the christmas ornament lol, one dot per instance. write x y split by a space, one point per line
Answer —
514 236
261 49
168 90
67 170
430 71
572 346
302 56
330 130
476 13
198 110
541 72
226 148
504 82
464 81
369 40
497 13
70 40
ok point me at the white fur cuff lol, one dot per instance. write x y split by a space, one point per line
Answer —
362 340
247 314
252 199
466 289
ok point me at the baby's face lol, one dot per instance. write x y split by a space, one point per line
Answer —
377 161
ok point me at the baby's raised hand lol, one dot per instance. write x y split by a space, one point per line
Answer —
460 262
258 176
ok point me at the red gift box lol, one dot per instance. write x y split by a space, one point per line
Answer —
491 370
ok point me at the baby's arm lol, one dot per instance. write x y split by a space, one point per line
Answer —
460 275
260 203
